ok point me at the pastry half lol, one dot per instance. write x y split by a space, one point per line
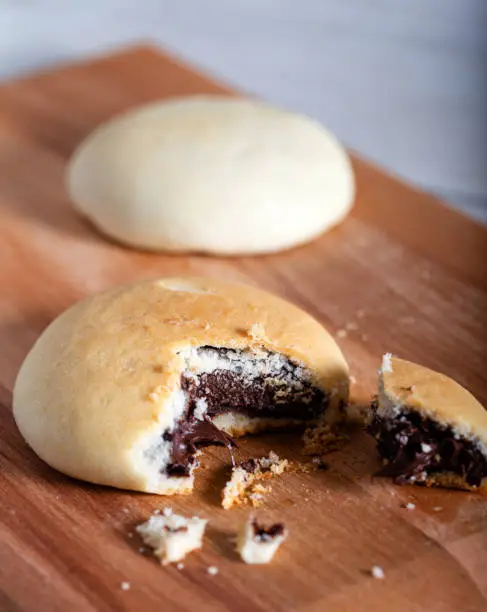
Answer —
429 429
124 388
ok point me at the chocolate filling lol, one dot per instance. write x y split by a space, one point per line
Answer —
265 534
282 393
175 529
190 435
415 447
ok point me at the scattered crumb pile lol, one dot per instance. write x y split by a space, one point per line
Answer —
172 536
257 543
321 438
244 486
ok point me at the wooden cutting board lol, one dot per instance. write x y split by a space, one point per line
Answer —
402 274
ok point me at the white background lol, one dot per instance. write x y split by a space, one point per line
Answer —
404 82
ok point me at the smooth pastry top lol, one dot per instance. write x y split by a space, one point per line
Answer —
215 174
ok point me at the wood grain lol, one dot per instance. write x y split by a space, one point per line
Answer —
410 275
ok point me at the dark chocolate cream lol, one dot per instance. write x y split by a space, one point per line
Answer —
191 434
416 446
283 393
265 534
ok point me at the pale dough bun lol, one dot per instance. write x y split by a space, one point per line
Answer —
103 384
212 174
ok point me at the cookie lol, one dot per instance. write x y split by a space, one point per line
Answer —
429 429
124 388
211 174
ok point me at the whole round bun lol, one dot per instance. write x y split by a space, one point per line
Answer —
212 174
103 383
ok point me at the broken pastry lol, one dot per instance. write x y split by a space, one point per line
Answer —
124 388
428 428
244 486
258 543
172 536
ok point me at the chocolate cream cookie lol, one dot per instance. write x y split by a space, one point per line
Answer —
124 388
429 429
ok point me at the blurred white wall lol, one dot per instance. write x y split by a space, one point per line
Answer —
404 82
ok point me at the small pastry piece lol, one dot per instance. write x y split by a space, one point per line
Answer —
428 428
124 388
172 536
244 487
257 544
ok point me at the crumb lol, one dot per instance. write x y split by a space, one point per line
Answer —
172 536
353 380
351 326
256 499
142 550
126 510
180 566
437 508
244 487
341 333
125 586
257 543
156 511
321 438
410 506
377 572
212 570
319 463
426 448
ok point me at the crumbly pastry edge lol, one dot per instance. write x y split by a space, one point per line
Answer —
389 407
